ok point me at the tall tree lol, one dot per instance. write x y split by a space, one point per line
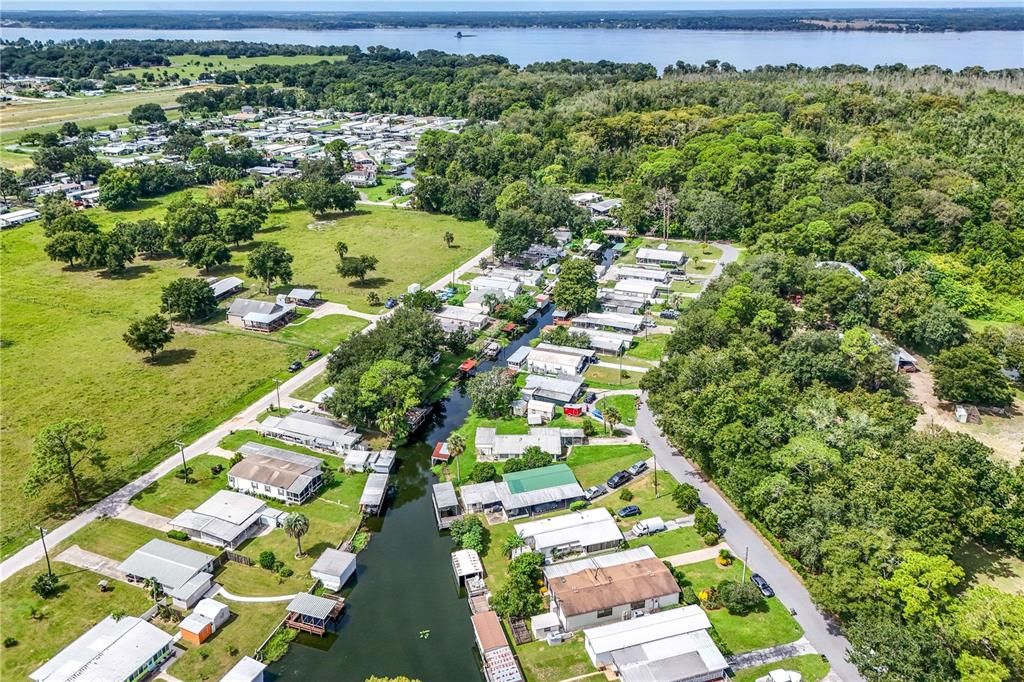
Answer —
357 266
189 298
269 261
149 335
576 288
295 526
206 252
60 451
970 374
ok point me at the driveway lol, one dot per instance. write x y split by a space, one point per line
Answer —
97 563
822 633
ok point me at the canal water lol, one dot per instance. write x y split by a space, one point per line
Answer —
404 615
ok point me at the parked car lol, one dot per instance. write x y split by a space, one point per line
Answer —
649 526
295 366
390 303
637 468
762 585
591 397
313 354
649 323
593 492
669 315
299 407
618 479
626 512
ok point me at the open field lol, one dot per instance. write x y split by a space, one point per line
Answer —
593 464
625 404
611 377
191 65
543 663
671 542
693 250
84 110
14 160
62 338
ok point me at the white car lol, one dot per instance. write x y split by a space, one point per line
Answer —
781 675
648 527
299 407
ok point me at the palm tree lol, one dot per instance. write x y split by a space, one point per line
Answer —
456 446
341 248
511 544
154 588
611 418
449 239
295 526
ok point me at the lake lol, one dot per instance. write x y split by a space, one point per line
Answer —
660 47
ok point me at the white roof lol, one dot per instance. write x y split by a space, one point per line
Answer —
540 406
587 527
302 294
562 387
444 495
210 609
223 286
324 394
466 562
636 286
549 440
193 622
627 272
548 619
171 564
235 508
110 650
246 670
664 255
685 619
620 320
311 426
457 312
480 493
555 359
334 562
501 284
565 350
519 355
598 561
311 605
373 492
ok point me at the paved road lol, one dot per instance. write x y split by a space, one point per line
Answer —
822 633
116 502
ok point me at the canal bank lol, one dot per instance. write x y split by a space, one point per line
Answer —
404 615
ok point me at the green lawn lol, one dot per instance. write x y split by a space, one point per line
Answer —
170 496
15 160
650 504
611 377
239 438
311 388
625 404
322 333
651 347
543 663
691 249
681 287
249 625
594 464
61 619
117 539
191 65
382 192
810 666
671 542
203 377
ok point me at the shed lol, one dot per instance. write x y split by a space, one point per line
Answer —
246 670
372 499
333 568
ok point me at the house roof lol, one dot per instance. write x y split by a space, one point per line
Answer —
536 479
223 286
253 448
519 355
275 472
587 527
246 670
598 561
488 630
596 589
637 286
210 608
547 439
561 387
313 427
110 650
549 357
241 307
303 294
311 605
564 350
466 562
480 493
373 492
444 495
333 562
665 255
234 508
171 564
457 312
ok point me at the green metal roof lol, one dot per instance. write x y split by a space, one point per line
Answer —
538 479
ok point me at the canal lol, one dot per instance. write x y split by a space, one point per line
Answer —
404 615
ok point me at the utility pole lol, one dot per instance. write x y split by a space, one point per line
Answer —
746 553
655 473
42 538
277 389
184 463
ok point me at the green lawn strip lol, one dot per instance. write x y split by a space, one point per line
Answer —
239 438
382 192
466 461
170 495
650 347
625 404
627 362
116 539
681 287
594 464
810 666
543 663
322 333
671 542
644 497
250 624
64 617
311 388
611 378
496 563
192 65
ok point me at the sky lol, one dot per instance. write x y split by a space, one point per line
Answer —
480 5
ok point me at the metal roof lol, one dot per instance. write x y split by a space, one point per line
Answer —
537 479
607 638
444 495
480 493
373 492
665 255
562 387
303 294
110 650
466 562
235 508
334 562
311 605
171 564
246 670
223 286
252 448
598 561
584 528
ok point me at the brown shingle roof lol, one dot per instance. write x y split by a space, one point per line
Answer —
269 470
604 588
488 630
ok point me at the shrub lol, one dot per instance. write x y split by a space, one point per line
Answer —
232 650
688 596
626 495
709 598
589 427
725 557
578 505
46 585
740 598
469 533
216 469
711 539
9 642
705 521
204 654
686 497
372 299
267 560
483 472
177 535
285 572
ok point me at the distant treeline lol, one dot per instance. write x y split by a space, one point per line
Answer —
918 20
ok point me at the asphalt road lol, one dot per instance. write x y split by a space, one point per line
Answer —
823 633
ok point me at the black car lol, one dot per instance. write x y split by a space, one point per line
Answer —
618 479
390 303
669 315
631 510
295 366
762 585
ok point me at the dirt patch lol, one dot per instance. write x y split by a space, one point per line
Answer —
182 328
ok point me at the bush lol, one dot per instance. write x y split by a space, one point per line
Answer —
589 427
740 598
686 497
709 598
725 558
626 495
267 560
285 572
578 505
483 472
204 654
711 539
688 596
46 585
216 469
705 521
178 535
9 642
469 533
372 299
232 650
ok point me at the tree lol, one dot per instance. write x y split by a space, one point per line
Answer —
60 450
424 299
458 340
532 458
469 532
511 543
663 205
449 239
711 215
519 595
267 560
186 219
886 650
922 583
492 393
576 288
740 598
119 189
991 623
611 418
337 149
970 374
147 113
288 190
389 388
456 445
483 472
295 526
357 266
114 250
46 585
149 335
705 521
222 194
206 252
76 221
321 195
341 248
188 298
10 187
241 223
153 588
269 261
65 247
686 497
148 236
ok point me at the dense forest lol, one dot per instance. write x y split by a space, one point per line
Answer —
865 19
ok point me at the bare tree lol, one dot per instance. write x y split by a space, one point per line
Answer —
664 206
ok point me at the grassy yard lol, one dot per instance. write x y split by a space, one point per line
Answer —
593 464
651 347
60 619
986 567
543 663
311 388
650 504
15 160
680 287
203 377
810 666
671 542
322 333
192 65
243 436
117 539
170 496
249 625
382 192
611 377
690 248
625 404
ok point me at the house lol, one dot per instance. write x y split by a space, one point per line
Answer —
582 532
446 504
479 299
517 360
595 596
539 412
333 568
222 288
903 361
225 520
365 176
614 303
374 492
406 188
670 646
246 670
307 298
490 445
607 342
183 573
554 360
310 613
499 663
598 561
24 215
559 389
204 620
509 287
636 288
585 198
535 491
616 322
603 208
260 316
467 567
659 275
381 462
454 317
530 278
661 256
312 431
284 475
122 650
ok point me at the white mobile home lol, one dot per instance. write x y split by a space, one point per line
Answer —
583 532
660 256
225 520
312 431
114 650
184 574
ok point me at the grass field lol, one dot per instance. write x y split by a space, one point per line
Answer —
543 663
14 160
650 347
170 496
625 404
985 567
611 377
191 65
671 542
593 464
810 666
62 338
249 625
382 192
84 110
